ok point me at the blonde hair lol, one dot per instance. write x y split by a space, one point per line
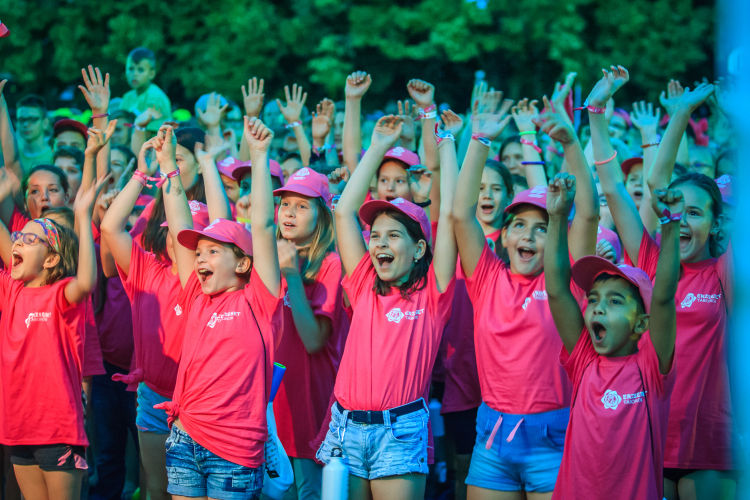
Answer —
323 242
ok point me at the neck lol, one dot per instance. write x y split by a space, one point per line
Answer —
143 88
40 280
35 146
488 229
704 254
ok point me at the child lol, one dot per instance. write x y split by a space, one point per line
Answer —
71 133
401 299
70 160
232 302
140 70
614 446
315 325
32 122
43 302
525 395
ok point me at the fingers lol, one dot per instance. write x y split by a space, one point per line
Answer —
110 130
281 106
400 108
86 79
2 86
287 94
507 104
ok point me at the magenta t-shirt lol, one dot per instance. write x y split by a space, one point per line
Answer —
608 445
113 321
92 351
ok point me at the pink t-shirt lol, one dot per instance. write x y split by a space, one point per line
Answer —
92 351
114 321
392 342
700 420
220 396
17 220
140 224
302 400
158 321
42 357
609 449
517 344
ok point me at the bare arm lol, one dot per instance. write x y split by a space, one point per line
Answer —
646 119
423 94
216 196
356 86
292 113
11 155
446 250
523 114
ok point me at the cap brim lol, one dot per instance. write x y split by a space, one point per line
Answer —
628 164
535 203
240 172
189 238
296 188
587 269
368 211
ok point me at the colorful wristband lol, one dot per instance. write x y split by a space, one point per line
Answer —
140 129
164 177
431 107
644 146
481 139
100 116
607 160
554 150
533 163
427 116
532 144
528 132
441 136
293 124
667 217
592 109
142 178
242 220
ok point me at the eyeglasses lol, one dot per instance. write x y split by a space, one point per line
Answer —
28 119
27 238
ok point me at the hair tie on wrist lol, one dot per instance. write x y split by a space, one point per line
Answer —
100 116
482 139
644 146
533 163
532 144
607 160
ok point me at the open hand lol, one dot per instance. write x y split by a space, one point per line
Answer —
645 118
555 127
165 145
691 100
211 117
422 92
210 155
322 120
257 135
288 258
523 114
560 194
605 88
253 97
667 200
407 113
671 97
96 92
294 103
147 163
489 125
488 102
452 122
387 131
145 118
420 183
562 90
98 139
357 84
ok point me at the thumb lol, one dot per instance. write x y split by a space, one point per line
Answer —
278 103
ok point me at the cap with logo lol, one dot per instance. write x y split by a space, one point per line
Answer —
587 269
307 182
536 196
725 186
245 168
228 165
369 210
402 154
222 230
199 211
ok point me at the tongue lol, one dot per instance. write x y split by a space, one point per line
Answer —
525 254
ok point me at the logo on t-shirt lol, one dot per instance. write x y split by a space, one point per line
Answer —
526 303
227 316
395 315
177 310
42 316
691 298
195 206
537 295
611 400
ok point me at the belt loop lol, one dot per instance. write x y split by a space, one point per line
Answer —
387 418
342 430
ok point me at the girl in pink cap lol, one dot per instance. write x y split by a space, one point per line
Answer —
231 298
698 456
315 325
525 393
401 298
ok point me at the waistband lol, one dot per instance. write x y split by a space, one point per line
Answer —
547 417
376 417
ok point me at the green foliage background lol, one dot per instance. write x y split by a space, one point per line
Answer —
204 45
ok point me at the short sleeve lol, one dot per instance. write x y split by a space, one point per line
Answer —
725 273
648 255
140 224
576 362
262 301
17 220
191 291
361 279
61 302
484 276
441 303
142 264
5 285
327 294
648 362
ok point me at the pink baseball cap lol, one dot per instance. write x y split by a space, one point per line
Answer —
228 165
587 269
611 237
225 231
4 31
68 124
199 212
536 196
402 154
143 200
246 167
628 164
368 211
725 186
307 182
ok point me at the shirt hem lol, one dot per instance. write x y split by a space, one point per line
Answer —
674 465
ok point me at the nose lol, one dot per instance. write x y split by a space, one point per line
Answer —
45 195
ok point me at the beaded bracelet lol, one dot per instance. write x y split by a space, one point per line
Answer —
532 144
607 160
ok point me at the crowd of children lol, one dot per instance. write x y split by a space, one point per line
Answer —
563 289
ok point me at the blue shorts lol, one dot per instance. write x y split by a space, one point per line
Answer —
529 462
147 418
194 471
373 451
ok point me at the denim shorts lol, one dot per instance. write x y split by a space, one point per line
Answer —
525 453
373 451
194 471
149 419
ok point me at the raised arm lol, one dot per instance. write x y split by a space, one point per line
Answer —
293 114
423 94
211 117
469 236
96 92
138 137
6 245
523 113
563 305
356 86
446 251
669 100
216 196
253 98
668 206
349 238
265 253
646 120
11 155
321 123
97 141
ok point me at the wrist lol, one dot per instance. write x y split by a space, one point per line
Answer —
289 271
98 111
168 166
353 98
89 154
649 135
319 142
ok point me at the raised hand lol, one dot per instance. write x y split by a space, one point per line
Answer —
288 258
147 163
560 194
691 100
105 201
562 90
210 155
294 103
84 203
422 92
407 113
524 112
420 183
257 135
339 175
243 207
211 117
165 145
145 118
667 202
671 97
253 97
322 120
555 127
605 88
387 131
605 250
357 84
452 122
2 86
489 125
645 118
96 92
98 139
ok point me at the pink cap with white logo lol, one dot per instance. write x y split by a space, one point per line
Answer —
307 182
536 196
725 186
368 211
228 165
587 269
612 238
246 167
222 230
199 211
402 154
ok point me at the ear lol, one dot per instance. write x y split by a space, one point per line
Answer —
716 226
641 324
421 248
503 234
243 266
51 261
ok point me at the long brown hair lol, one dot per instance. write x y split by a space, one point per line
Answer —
155 236
68 265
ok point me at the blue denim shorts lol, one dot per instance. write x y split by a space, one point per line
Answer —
194 471
373 451
147 418
525 453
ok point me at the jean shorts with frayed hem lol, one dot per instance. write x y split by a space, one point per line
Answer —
373 451
194 471
149 419
525 451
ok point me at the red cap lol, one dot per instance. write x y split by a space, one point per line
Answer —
725 186
199 212
368 210
67 124
246 167
402 154
536 196
143 200
228 165
225 231
611 237
4 31
587 269
628 164
307 182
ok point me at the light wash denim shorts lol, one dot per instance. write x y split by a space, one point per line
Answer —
194 471
373 451
147 418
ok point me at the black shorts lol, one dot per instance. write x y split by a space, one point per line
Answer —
461 427
675 475
50 457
